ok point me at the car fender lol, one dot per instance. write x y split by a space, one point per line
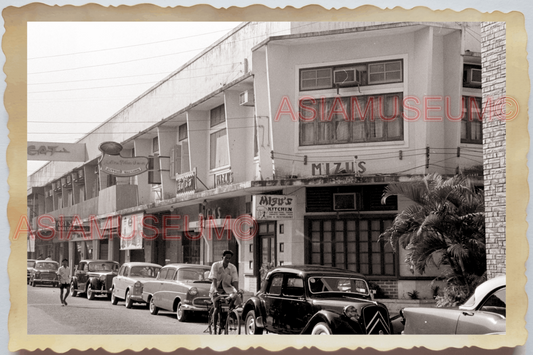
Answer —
177 300
256 305
93 280
334 321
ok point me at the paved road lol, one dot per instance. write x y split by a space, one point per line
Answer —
81 316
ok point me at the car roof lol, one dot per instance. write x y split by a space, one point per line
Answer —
482 290
316 269
98 261
180 265
46 261
139 263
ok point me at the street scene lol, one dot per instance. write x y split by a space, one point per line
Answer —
290 178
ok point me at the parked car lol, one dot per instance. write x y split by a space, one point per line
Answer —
44 272
128 284
313 299
180 288
482 313
93 277
30 264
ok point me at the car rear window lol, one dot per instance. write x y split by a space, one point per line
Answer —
275 285
47 266
144 271
324 284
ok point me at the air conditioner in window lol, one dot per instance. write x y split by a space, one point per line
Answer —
345 202
473 77
246 98
346 77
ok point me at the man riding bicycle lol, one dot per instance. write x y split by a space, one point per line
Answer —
225 280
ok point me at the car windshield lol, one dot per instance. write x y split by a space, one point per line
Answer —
192 275
103 267
47 266
145 271
31 263
326 284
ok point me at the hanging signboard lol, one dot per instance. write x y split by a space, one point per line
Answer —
186 182
273 207
132 232
223 179
114 164
50 151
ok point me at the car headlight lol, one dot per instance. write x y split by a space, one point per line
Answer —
351 312
102 278
193 291
138 284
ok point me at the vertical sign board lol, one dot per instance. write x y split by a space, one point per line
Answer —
273 207
132 232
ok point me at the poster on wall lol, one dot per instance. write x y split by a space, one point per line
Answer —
273 207
131 232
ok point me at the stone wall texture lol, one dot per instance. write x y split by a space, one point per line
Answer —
493 61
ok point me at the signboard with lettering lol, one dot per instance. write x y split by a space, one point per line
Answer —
338 168
49 151
223 179
132 232
186 182
114 164
273 207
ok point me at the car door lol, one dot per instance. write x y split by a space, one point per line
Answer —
272 298
296 310
81 276
158 285
119 283
166 291
489 318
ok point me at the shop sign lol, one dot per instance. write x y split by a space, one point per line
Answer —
114 164
352 167
273 207
132 232
57 151
186 182
223 179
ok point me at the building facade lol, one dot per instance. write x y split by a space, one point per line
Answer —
276 142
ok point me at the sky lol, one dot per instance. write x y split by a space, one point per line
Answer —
81 73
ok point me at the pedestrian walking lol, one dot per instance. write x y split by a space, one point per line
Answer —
64 281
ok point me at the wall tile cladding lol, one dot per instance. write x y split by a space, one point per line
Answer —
493 61
389 288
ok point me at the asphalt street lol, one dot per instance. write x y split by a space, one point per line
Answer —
46 315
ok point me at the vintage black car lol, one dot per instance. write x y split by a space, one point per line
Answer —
483 313
313 299
93 277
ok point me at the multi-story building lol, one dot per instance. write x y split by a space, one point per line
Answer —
322 115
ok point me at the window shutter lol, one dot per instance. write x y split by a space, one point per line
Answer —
154 177
175 161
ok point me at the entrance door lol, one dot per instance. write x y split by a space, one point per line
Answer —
266 248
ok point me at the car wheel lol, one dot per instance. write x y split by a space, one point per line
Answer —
90 292
181 314
114 300
233 324
73 292
128 301
152 307
321 329
250 326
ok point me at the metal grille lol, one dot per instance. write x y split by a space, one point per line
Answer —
200 302
376 320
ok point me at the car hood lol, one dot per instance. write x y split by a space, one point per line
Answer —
200 285
142 279
100 273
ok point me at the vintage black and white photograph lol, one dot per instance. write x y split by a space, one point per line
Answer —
267 178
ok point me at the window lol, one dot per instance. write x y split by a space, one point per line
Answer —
353 119
369 73
155 145
318 78
162 274
351 244
471 123
295 287
182 134
495 303
219 155
217 116
275 285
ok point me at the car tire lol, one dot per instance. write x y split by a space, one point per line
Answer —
181 314
127 301
90 292
73 292
321 329
250 326
152 307
114 300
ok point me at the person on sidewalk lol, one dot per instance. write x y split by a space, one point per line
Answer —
64 281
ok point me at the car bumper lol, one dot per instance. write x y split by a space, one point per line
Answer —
46 281
137 298
190 307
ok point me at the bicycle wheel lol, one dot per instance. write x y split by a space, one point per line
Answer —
233 324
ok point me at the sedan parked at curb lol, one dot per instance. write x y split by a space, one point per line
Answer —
93 277
483 313
128 284
29 266
312 299
44 272
180 288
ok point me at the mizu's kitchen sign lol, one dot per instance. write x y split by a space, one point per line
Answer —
273 207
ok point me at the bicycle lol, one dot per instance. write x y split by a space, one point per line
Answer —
227 319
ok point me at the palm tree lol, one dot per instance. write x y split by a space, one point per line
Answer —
444 226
